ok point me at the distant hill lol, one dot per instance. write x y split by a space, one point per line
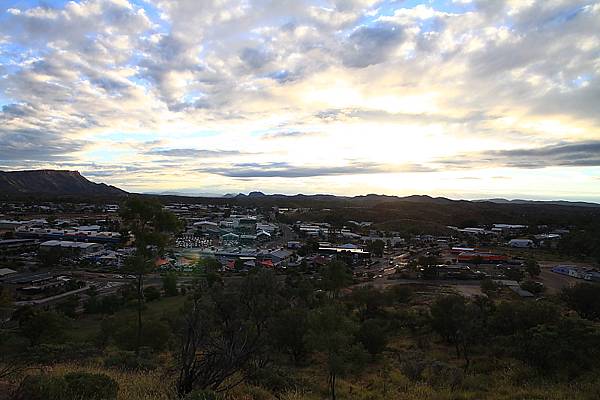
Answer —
549 202
53 183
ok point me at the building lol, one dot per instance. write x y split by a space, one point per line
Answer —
205 226
509 228
294 244
484 258
263 236
279 257
10 225
67 234
567 270
18 245
5 272
521 243
71 247
579 273
458 250
269 228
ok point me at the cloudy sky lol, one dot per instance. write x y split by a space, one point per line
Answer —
461 98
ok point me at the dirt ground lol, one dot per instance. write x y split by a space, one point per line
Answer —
555 282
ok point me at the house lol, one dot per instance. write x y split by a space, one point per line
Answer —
263 236
270 228
247 239
230 238
521 243
280 256
205 226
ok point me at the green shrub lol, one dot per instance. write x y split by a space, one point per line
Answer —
203 395
72 386
129 361
83 385
272 379
151 293
56 353
42 387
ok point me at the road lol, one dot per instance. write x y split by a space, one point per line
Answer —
50 300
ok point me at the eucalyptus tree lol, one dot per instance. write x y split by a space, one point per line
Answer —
151 228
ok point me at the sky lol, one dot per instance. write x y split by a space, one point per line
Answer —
456 98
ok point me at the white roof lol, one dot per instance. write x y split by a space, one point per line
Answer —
7 271
64 243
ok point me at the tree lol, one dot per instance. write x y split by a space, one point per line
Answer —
156 334
151 293
532 286
461 322
570 345
224 329
489 287
373 335
170 284
69 306
336 277
43 327
514 273
333 333
399 294
289 333
429 264
50 258
238 264
369 301
477 260
584 298
376 247
151 227
532 267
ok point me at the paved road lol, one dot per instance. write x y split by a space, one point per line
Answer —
50 300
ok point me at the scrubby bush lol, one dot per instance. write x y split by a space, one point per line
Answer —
155 334
129 361
203 395
274 379
373 335
151 293
55 353
72 386
83 385
584 298
41 387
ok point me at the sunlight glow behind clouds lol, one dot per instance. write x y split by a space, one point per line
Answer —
343 96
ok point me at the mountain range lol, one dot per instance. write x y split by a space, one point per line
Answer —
56 183
50 183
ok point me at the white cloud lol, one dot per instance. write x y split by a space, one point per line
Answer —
426 83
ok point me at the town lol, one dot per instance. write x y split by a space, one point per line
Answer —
52 252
